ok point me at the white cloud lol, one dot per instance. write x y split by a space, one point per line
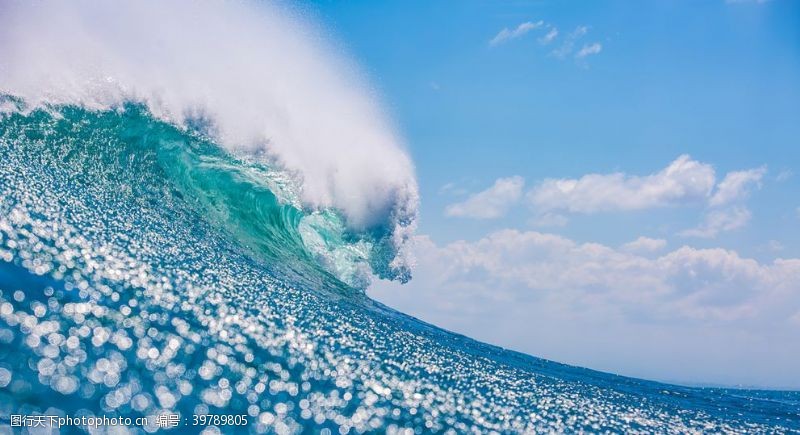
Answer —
490 203
644 245
508 34
589 49
717 221
569 42
589 304
549 36
683 181
689 283
736 185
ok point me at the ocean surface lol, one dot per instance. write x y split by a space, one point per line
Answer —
146 270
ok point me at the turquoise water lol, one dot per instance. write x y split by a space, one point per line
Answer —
144 270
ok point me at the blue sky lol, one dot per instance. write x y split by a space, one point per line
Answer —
687 114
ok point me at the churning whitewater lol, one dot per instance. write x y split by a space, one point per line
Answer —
257 81
193 196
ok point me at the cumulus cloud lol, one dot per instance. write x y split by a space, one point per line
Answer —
490 203
644 245
705 284
507 34
684 180
736 185
589 49
613 309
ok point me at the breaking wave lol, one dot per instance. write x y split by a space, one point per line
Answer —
193 196
271 94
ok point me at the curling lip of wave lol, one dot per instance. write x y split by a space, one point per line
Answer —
249 201
271 86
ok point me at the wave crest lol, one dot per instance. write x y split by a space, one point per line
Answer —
127 154
272 89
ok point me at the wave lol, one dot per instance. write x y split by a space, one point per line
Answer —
146 270
156 258
256 204
271 93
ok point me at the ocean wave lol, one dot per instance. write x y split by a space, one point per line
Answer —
186 233
270 93
257 204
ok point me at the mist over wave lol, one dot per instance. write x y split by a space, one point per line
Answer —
254 76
